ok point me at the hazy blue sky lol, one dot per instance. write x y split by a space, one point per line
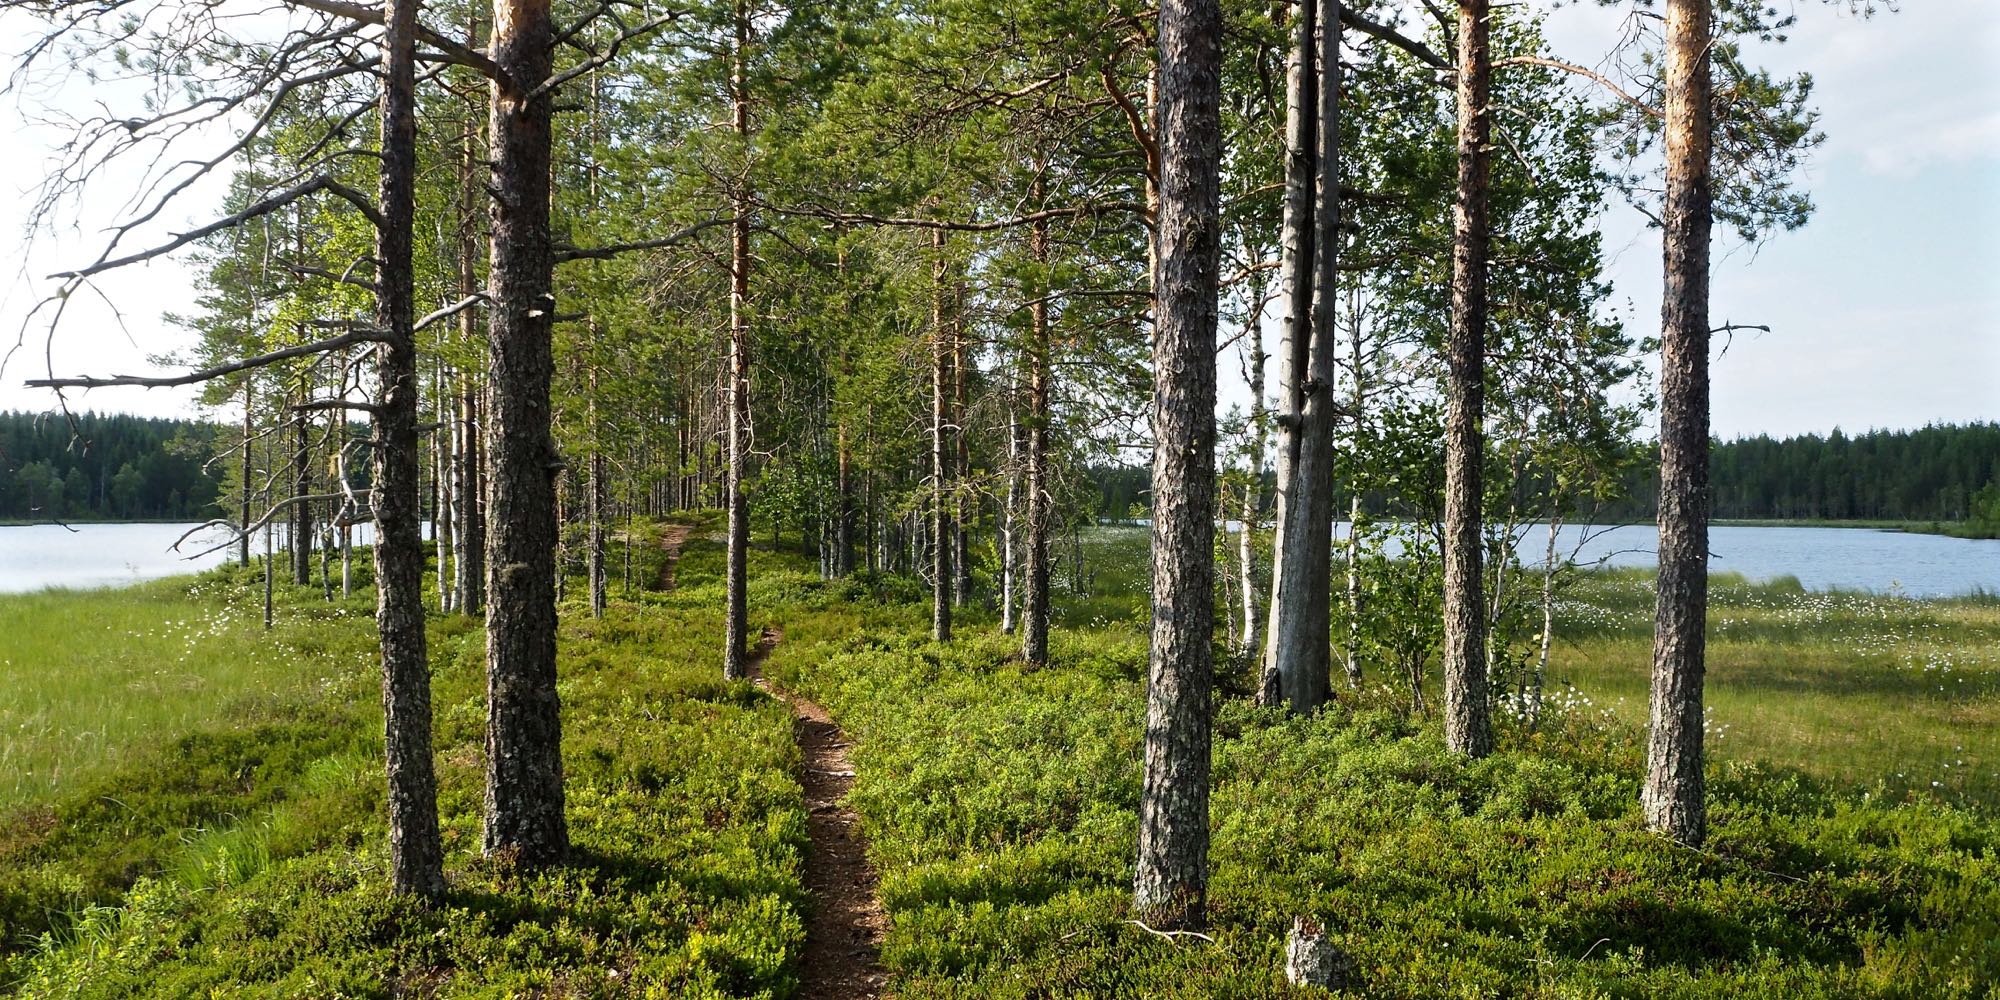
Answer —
1883 310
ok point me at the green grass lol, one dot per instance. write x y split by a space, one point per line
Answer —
246 857
1001 809
1887 694
87 676
238 850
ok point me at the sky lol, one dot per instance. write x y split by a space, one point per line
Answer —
1884 310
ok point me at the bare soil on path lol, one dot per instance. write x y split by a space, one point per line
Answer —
842 959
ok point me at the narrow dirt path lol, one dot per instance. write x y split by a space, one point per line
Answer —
672 537
842 960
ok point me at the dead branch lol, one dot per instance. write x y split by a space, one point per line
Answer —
208 374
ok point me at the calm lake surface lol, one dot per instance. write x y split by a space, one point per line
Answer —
39 556
105 555
1821 558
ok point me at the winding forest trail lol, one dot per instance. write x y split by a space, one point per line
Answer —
842 959
672 537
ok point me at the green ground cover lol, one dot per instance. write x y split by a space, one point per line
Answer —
1001 807
244 855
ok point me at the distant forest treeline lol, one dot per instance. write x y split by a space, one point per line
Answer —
1936 473
1932 474
101 467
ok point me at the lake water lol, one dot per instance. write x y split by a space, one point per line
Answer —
37 556
103 555
1821 558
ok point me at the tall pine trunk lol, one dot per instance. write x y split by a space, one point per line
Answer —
416 854
249 434
1673 795
1468 721
941 451
302 485
524 776
961 557
1171 884
1034 570
736 617
470 521
1253 489
1010 521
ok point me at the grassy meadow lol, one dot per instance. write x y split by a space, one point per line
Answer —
88 676
1887 694
230 843
1001 806
238 849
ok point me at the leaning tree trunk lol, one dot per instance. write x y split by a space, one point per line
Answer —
1468 719
736 616
1295 292
524 776
416 854
1171 885
1035 555
1672 797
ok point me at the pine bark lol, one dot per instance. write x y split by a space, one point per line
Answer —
302 513
1034 581
736 617
524 776
1468 718
469 521
961 459
941 450
1673 795
1010 523
416 854
843 529
249 434
1170 888
1253 489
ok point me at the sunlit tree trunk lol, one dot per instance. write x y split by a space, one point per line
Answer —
1253 488
470 522
249 434
941 451
1295 279
302 485
736 618
525 819
962 461
1035 558
1170 887
1673 794
1468 718
416 856
1298 647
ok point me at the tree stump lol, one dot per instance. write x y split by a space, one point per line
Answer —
1311 959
